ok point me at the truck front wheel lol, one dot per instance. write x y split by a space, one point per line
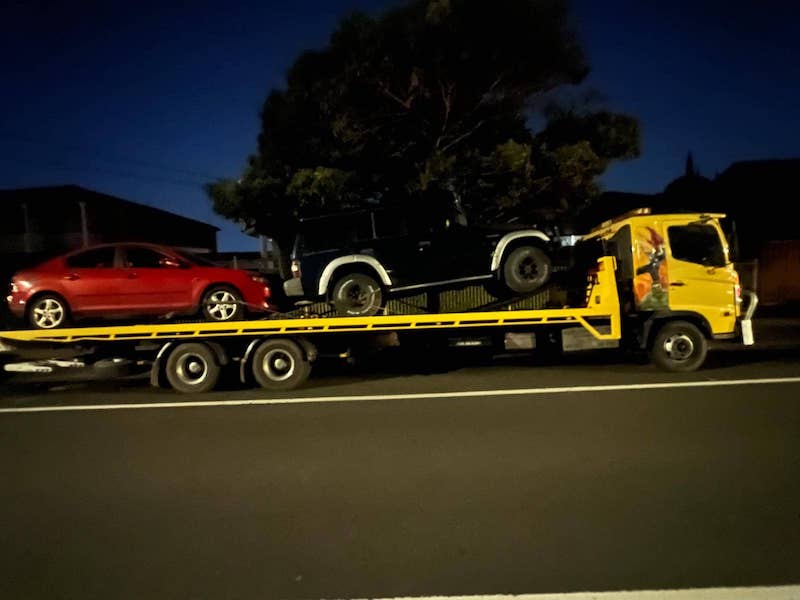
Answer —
679 346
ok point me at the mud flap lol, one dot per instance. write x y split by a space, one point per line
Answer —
747 332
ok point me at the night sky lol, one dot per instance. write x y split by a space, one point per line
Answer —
147 102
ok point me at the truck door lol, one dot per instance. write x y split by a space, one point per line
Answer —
700 276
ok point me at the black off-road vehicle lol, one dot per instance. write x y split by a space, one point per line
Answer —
356 260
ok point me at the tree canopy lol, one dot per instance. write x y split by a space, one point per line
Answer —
461 96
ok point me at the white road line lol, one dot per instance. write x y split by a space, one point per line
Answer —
384 397
788 592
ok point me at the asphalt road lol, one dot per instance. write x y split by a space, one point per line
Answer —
438 494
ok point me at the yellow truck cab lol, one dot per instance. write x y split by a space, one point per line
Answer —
676 268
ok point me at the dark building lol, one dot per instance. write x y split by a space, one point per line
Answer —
53 220
760 196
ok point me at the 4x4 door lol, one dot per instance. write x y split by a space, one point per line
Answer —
446 250
701 277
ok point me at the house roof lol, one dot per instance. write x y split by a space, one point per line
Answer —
746 169
77 193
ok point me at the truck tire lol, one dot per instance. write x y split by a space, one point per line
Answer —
280 365
679 346
526 269
192 368
357 295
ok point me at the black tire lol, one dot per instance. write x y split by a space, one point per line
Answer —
679 346
221 303
48 311
357 295
280 365
526 269
192 368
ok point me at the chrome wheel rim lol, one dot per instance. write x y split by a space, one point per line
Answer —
48 313
222 305
192 369
679 347
278 365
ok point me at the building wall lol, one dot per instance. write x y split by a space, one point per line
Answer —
55 220
779 272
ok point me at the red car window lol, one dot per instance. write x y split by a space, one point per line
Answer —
97 258
143 258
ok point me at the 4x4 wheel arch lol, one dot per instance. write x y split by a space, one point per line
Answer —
358 263
511 241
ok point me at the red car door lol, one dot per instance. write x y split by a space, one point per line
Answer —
91 280
154 281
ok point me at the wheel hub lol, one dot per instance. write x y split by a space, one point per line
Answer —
222 306
527 269
48 314
679 347
278 365
192 369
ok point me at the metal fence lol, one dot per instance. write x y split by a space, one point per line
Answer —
451 301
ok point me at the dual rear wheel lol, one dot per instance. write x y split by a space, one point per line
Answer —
278 364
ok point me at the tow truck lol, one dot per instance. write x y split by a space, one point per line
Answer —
657 283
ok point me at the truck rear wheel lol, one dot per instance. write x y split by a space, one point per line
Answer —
280 365
679 346
192 368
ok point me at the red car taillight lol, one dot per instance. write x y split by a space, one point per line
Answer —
262 281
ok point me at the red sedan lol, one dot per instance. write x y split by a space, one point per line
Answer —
127 280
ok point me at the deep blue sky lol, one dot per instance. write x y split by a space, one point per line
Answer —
147 101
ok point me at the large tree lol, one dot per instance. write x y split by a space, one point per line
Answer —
458 96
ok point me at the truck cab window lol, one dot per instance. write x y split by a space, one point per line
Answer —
699 244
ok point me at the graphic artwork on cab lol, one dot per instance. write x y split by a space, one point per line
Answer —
650 284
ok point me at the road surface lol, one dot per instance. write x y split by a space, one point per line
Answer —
496 478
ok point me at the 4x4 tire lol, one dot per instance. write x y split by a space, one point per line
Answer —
526 269
357 295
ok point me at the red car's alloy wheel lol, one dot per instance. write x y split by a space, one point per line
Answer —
47 312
